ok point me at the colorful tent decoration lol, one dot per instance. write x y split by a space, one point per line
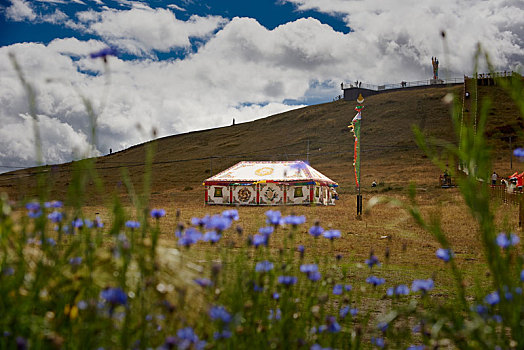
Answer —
355 128
270 183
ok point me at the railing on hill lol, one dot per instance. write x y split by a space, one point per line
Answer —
408 84
514 198
404 84
499 191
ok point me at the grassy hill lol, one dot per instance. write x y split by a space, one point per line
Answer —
389 153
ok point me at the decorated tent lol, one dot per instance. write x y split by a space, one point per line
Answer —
270 183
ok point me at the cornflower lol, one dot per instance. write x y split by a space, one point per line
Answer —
157 213
444 254
375 281
273 217
294 220
287 280
316 230
422 285
331 234
264 266
132 224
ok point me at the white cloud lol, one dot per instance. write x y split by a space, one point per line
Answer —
141 29
407 32
20 10
176 7
55 17
242 70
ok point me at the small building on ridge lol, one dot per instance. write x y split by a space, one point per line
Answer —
270 183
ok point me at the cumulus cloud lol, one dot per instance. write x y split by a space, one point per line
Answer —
406 33
141 30
20 10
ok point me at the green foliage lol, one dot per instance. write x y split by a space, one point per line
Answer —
67 281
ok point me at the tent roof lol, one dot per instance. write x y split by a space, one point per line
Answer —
276 171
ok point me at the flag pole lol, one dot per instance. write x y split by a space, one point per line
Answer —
355 127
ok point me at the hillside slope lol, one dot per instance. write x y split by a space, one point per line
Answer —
389 154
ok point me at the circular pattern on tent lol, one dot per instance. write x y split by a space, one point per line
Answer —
264 171
244 194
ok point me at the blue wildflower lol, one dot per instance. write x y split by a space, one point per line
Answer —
257 288
33 214
497 318
353 311
200 221
331 234
308 268
33 206
373 260
266 230
259 240
275 296
8 271
378 342
75 261
219 313
318 347
53 204
522 276
416 347
77 223
222 335
398 290
108 51
191 236
187 334
50 241
218 222
275 315
382 326
287 280
294 220
211 236
298 165
343 312
504 240
375 281
231 214
493 298
332 325
273 217
518 152
337 289
55 216
314 276
422 285
316 230
114 296
132 224
264 266
203 282
444 254
158 213
82 305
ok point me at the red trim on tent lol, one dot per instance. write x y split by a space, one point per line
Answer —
285 194
311 194
206 198
230 194
258 194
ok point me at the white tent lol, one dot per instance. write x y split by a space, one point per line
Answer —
270 183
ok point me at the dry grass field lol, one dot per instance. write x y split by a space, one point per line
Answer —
389 156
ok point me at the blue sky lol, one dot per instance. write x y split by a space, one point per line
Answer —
187 65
